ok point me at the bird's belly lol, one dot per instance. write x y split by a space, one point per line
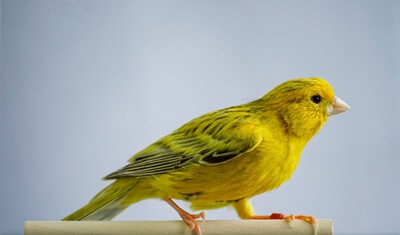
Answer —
241 177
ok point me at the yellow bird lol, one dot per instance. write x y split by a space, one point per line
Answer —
225 157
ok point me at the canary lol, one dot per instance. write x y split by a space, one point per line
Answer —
225 157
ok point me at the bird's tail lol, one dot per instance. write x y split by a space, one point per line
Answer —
106 204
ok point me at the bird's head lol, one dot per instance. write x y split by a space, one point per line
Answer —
304 104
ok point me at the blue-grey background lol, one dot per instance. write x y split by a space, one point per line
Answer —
86 84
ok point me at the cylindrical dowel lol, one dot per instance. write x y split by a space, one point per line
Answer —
210 227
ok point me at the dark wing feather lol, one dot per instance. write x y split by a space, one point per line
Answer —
202 141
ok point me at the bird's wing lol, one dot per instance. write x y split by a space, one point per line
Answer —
211 139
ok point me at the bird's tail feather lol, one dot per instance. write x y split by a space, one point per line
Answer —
106 204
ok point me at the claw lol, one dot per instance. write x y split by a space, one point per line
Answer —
202 215
307 218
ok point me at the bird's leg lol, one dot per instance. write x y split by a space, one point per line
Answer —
189 219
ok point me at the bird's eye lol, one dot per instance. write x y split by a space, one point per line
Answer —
316 99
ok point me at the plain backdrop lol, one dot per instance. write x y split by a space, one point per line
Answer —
86 84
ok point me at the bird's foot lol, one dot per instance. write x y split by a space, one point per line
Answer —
189 219
307 218
289 218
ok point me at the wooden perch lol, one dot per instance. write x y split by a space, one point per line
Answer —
210 227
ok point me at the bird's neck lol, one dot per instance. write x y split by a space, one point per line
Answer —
299 131
301 126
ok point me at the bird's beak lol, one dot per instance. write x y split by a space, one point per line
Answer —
337 106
